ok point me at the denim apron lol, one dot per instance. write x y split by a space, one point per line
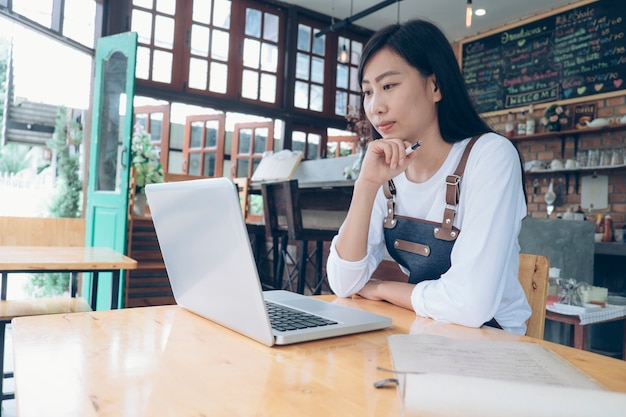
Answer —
423 247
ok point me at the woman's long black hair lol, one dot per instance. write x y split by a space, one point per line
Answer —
425 47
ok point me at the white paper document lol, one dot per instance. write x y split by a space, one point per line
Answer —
440 376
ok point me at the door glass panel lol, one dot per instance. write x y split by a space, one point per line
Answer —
250 84
269 57
245 137
219 46
198 73
212 127
219 78
201 11
209 165
164 32
304 37
302 66
162 69
200 36
242 167
141 22
221 14
268 88
112 119
317 70
260 140
166 6
196 135
319 44
253 23
270 29
194 164
251 53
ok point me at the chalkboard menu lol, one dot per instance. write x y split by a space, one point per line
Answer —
574 54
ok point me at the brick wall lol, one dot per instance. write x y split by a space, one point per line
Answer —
546 149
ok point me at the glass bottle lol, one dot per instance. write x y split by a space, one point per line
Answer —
509 126
521 124
608 229
530 121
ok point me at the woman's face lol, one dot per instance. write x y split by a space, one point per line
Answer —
397 99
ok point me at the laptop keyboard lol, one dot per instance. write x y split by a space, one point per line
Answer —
284 318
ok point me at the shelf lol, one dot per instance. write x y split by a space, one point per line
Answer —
571 132
590 170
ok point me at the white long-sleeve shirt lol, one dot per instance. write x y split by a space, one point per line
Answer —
482 282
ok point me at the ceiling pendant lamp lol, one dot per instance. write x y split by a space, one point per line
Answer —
343 55
468 14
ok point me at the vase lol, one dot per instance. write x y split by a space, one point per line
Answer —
139 204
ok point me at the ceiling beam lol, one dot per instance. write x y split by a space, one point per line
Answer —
353 18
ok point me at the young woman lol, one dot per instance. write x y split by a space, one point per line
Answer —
450 211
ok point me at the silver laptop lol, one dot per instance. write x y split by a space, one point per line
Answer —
212 271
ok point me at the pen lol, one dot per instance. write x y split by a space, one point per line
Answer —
413 147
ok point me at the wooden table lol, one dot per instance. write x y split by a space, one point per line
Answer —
73 259
166 361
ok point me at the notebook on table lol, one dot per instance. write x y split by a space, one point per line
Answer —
211 268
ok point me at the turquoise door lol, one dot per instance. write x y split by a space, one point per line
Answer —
109 152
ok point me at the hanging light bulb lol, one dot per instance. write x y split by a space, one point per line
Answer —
343 55
468 14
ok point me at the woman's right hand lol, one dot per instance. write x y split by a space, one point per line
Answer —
384 160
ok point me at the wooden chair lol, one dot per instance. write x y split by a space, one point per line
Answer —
283 220
256 231
533 275
26 231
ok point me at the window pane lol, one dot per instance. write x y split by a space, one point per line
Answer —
245 137
355 101
146 4
221 14
255 164
219 78
319 44
242 167
209 165
268 88
298 141
304 37
302 66
142 24
253 23
317 98
198 73
212 127
196 135
355 56
200 36
260 140
78 21
166 6
250 85
341 103
354 79
155 126
301 95
142 69
201 11
317 70
194 164
219 46
164 32
251 52
342 76
331 149
313 146
270 28
162 67
269 57
40 11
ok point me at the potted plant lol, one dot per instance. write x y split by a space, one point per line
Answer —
147 164
555 117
